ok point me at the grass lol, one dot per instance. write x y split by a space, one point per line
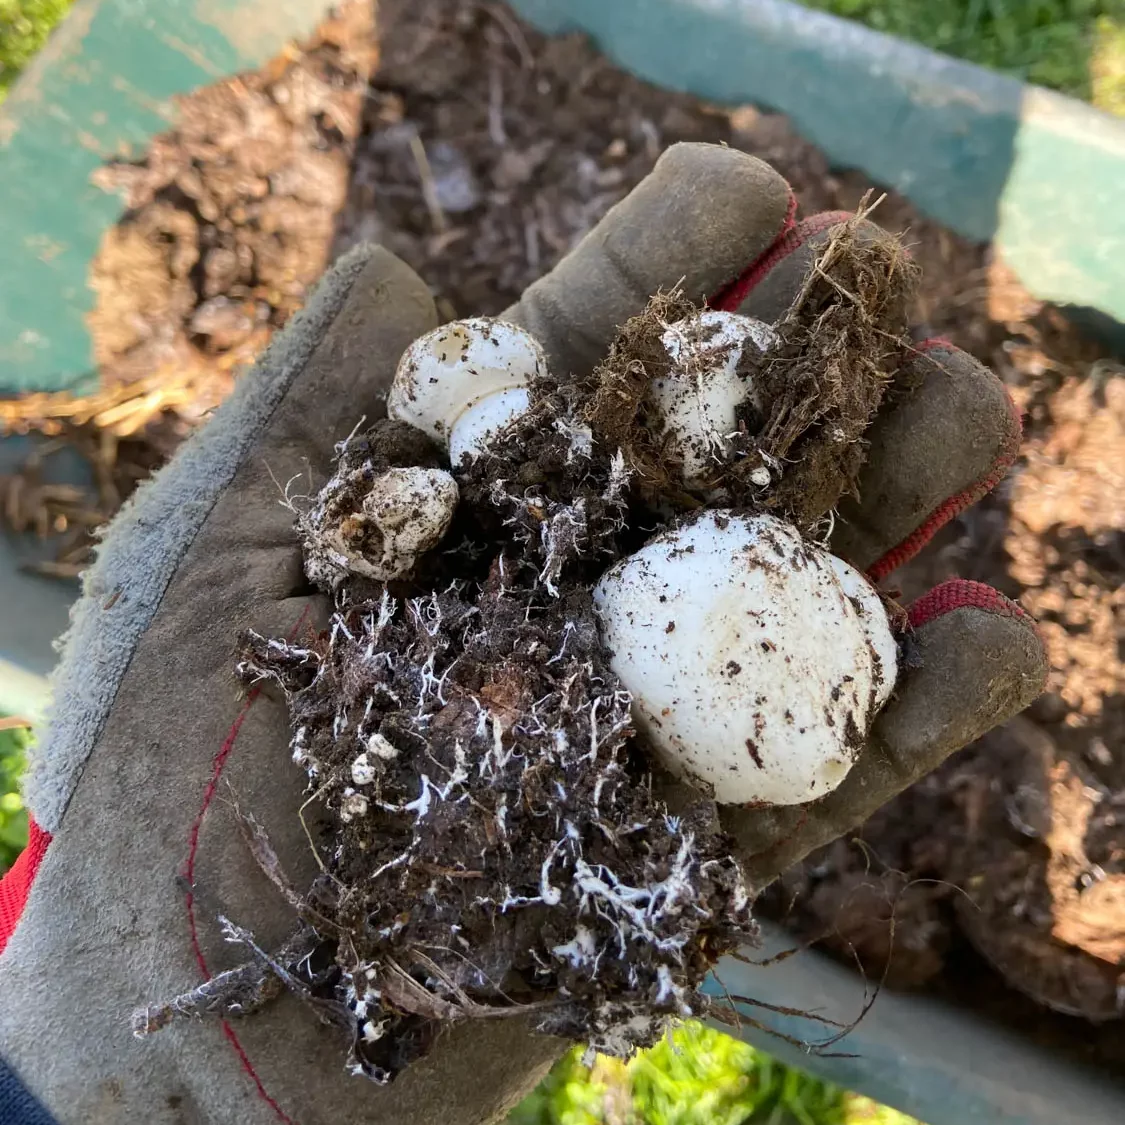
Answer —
1075 46
696 1076
13 817
24 27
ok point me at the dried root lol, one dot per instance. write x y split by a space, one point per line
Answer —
839 346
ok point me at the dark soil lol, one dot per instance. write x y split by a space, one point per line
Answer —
481 152
495 845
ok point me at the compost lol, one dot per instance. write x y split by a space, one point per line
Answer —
480 152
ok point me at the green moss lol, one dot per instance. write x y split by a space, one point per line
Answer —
1076 46
24 27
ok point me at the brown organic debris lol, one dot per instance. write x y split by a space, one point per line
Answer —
617 411
495 849
840 345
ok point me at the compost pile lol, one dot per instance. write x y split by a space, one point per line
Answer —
480 152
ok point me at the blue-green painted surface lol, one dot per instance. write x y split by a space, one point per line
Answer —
914 1052
990 158
102 87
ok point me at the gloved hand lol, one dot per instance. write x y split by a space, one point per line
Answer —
128 787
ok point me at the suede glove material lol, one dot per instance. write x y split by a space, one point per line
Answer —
129 787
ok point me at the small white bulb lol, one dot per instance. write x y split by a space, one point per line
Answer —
403 514
474 429
756 660
699 398
352 805
464 381
363 770
381 748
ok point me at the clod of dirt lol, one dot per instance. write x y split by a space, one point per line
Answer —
619 411
496 851
362 522
814 389
838 348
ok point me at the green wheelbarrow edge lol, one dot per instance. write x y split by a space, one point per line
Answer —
991 158
101 88
914 1052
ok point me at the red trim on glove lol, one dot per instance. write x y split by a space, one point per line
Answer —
220 762
15 886
958 593
788 239
937 343
793 236
955 505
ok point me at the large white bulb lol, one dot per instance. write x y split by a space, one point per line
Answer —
756 660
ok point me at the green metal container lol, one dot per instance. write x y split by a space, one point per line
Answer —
1038 174
102 87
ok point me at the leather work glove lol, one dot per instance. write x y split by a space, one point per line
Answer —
128 788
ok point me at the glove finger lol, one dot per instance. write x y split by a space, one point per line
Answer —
980 661
350 369
345 349
948 438
946 435
701 214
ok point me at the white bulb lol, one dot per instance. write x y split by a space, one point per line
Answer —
463 381
402 514
756 660
352 805
381 748
699 398
477 425
363 771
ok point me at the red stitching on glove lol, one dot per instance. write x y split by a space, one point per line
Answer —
15 886
728 299
937 343
958 593
189 874
955 505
